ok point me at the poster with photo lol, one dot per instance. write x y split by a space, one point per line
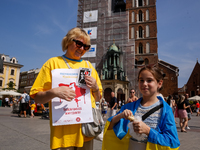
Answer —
77 111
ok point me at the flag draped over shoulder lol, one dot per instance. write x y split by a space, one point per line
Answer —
166 138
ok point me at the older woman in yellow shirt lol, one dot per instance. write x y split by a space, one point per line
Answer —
75 44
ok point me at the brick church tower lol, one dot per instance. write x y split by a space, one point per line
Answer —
143 28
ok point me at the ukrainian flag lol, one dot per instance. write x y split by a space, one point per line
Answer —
166 138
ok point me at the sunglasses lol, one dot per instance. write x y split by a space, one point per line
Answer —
132 92
79 44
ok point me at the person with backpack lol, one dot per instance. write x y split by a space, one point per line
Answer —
24 99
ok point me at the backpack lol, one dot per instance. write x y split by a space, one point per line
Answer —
27 97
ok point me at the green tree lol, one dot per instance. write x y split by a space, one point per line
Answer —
11 86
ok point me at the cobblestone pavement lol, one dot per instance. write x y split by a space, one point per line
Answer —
33 133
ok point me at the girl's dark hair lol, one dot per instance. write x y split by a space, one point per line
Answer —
169 99
156 72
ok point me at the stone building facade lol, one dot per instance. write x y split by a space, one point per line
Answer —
10 72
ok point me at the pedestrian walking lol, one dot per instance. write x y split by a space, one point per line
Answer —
104 107
32 108
188 109
113 105
197 107
23 103
182 113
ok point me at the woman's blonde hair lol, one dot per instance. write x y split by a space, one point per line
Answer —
74 33
181 98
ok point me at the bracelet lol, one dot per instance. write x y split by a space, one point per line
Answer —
95 91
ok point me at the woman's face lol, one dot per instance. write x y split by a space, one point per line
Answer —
148 85
132 93
73 52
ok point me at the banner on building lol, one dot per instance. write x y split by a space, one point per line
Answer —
90 16
91 52
92 32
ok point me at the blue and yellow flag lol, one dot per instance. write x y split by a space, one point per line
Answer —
166 138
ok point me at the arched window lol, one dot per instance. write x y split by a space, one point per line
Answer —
1 83
147 48
140 48
147 15
146 61
140 15
140 2
12 72
147 31
136 62
140 32
133 17
132 33
133 3
147 2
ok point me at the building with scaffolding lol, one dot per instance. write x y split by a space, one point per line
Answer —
131 26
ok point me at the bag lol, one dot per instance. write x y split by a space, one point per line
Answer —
27 98
95 128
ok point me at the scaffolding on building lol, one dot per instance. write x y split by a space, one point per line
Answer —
111 27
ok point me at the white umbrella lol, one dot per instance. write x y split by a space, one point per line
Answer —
10 93
194 98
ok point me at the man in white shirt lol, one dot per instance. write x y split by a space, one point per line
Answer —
23 105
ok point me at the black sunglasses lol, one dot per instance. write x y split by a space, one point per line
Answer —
79 44
132 92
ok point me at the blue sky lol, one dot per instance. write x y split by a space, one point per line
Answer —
32 31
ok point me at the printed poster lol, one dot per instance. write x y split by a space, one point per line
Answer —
77 111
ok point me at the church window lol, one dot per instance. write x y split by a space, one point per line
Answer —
136 62
146 61
140 32
147 31
147 15
147 47
140 48
140 15
1 83
133 3
140 2
132 33
133 16
12 72
147 2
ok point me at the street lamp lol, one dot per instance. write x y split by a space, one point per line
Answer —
197 89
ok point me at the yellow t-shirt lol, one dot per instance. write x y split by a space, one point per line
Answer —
33 106
66 135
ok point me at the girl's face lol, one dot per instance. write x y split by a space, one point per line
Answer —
73 52
148 85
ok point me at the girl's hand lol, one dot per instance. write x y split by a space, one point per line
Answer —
126 113
91 83
140 127
64 92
